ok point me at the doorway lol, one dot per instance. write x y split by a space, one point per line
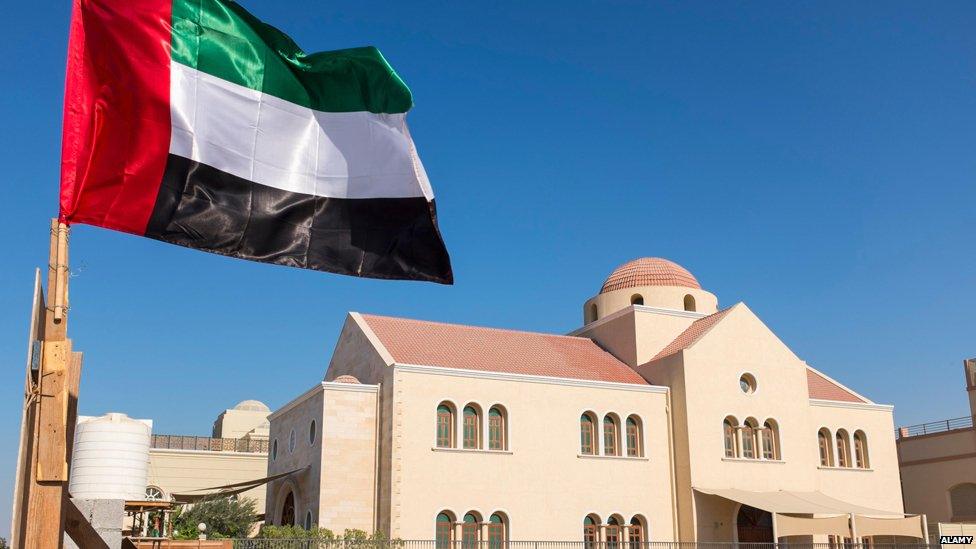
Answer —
754 525
288 510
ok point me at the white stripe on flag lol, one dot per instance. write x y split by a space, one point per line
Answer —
277 143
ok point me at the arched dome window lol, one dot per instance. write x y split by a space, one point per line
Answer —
591 529
843 449
861 450
444 530
591 313
689 302
445 425
730 428
611 435
472 427
636 299
588 434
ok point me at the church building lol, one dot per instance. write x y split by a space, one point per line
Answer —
664 417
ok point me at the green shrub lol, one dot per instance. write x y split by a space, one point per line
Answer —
224 517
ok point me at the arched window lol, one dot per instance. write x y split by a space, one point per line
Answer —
444 530
826 450
843 449
769 434
611 436
445 425
636 299
861 450
472 427
963 501
497 531
591 313
154 493
729 428
470 531
292 440
636 534
308 520
497 429
690 303
612 532
587 434
748 434
591 528
634 439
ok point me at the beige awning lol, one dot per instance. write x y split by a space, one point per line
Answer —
908 526
830 526
783 501
230 489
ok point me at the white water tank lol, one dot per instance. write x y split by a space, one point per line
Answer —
111 458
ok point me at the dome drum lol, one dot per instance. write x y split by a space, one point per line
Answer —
652 282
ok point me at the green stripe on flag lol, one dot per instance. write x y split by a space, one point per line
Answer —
221 38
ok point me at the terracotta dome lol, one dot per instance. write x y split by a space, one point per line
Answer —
649 271
346 379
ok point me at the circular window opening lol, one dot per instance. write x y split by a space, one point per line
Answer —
274 450
311 432
747 383
154 493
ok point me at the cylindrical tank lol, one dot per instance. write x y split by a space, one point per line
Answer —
111 458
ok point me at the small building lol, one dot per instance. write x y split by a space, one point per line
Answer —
664 417
938 463
237 452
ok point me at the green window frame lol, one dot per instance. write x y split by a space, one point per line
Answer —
587 435
610 438
496 532
444 533
496 429
470 532
472 428
633 438
445 426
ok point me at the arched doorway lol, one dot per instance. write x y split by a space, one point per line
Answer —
288 510
754 525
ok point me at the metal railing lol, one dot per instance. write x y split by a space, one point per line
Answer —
431 544
209 444
935 427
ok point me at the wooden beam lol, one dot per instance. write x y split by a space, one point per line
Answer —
81 531
56 317
52 443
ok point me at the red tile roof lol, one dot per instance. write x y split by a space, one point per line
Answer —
822 388
692 334
649 271
495 350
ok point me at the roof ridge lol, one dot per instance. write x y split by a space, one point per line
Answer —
472 326
713 318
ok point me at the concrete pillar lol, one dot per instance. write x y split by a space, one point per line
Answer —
106 517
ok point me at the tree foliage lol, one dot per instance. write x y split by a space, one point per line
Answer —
224 517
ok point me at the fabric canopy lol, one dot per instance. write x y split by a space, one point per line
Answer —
830 526
230 489
783 501
908 526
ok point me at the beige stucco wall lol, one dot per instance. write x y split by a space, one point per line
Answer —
636 334
237 423
183 471
542 483
705 383
933 464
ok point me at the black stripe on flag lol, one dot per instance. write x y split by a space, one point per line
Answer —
207 209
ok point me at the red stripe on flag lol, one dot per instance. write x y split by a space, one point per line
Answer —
116 112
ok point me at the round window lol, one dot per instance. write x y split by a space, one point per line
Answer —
311 432
291 441
747 383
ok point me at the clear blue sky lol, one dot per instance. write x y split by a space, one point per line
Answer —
815 160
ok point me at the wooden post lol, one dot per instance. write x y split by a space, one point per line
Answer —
52 403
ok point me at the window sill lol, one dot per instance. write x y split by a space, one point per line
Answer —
752 460
835 468
470 451
626 458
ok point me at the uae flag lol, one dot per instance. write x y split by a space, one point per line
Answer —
194 123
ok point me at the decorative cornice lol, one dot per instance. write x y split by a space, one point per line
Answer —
526 378
851 405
